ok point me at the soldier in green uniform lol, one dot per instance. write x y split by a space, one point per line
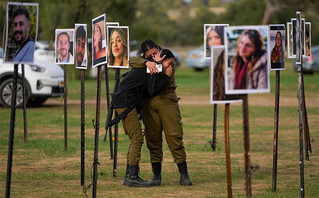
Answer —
162 113
127 101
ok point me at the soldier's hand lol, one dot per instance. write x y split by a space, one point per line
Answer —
157 57
152 67
169 71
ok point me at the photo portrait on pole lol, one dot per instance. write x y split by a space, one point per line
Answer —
308 39
277 46
289 40
64 46
303 41
80 46
217 77
99 41
213 35
247 60
118 46
107 25
21 32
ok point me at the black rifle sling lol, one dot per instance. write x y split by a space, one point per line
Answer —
121 116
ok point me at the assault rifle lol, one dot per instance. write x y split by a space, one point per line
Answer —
110 107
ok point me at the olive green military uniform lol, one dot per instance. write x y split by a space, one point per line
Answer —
162 112
133 130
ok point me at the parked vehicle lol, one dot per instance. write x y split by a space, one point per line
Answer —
43 80
311 64
195 59
43 52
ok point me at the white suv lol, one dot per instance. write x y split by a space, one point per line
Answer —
43 80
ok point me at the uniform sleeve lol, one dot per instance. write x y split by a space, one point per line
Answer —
137 62
155 83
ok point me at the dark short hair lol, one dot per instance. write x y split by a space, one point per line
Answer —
80 33
146 45
21 11
169 54
63 33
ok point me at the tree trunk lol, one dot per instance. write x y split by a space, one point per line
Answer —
271 7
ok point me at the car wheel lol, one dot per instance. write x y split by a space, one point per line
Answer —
6 91
198 69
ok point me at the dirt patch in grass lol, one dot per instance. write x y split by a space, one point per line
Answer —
266 100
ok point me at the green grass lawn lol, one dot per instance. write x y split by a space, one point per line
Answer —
42 168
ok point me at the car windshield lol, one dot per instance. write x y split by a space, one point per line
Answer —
1 52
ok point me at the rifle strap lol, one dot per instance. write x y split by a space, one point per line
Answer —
121 116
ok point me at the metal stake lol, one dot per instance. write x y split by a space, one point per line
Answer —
65 110
275 146
82 127
117 76
97 127
25 98
214 127
12 125
108 104
305 119
227 152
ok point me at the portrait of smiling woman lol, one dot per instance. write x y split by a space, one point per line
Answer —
247 70
213 36
99 41
118 48
99 51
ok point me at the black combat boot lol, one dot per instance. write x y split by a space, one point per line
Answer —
127 170
157 177
184 178
133 180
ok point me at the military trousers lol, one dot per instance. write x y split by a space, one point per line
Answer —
162 113
133 130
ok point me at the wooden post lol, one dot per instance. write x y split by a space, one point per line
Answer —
246 146
227 152
299 70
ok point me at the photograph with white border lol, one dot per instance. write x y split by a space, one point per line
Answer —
217 82
308 39
118 46
99 41
80 45
213 35
21 32
303 41
247 61
289 40
64 46
110 24
277 33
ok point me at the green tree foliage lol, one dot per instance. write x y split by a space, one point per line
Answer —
244 12
169 22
